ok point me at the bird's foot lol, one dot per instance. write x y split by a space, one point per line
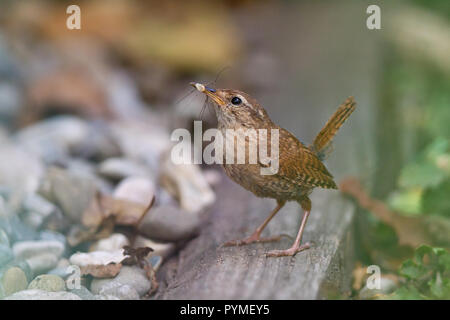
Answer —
254 238
288 252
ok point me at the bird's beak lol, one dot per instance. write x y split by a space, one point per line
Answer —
210 92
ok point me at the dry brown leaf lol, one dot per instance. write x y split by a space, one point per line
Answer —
410 230
102 271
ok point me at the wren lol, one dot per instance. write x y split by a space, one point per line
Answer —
300 166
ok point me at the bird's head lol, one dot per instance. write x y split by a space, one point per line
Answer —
235 108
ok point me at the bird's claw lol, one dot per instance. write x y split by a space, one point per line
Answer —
288 252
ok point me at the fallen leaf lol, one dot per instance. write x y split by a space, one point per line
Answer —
102 271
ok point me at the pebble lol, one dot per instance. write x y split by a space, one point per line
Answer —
132 276
17 230
42 263
187 183
169 223
13 280
83 293
53 139
20 170
136 189
72 193
28 249
37 210
121 168
97 258
123 292
36 294
6 254
48 282
114 242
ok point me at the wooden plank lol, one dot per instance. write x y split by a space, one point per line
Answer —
204 270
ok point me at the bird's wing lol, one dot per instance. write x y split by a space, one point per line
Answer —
300 165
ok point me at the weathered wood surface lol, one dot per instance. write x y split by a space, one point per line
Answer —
205 270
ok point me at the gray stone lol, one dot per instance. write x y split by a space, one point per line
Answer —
6 255
105 297
120 168
4 240
83 293
23 265
123 292
187 183
169 223
37 210
62 272
114 242
28 249
48 282
17 230
13 280
72 193
133 276
53 139
36 294
49 235
42 263
136 189
19 170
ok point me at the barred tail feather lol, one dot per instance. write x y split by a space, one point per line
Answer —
322 142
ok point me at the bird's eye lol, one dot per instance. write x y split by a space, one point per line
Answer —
236 100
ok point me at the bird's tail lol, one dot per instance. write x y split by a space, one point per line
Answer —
322 142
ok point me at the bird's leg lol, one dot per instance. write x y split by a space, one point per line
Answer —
256 236
297 246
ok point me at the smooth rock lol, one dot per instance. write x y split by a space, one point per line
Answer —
20 170
97 258
48 282
22 265
169 223
42 263
53 139
114 242
6 255
13 280
142 141
187 183
49 235
121 168
72 193
17 230
136 189
36 294
4 240
28 249
37 210
105 297
123 292
83 293
132 276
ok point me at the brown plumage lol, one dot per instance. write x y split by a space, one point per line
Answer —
300 167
